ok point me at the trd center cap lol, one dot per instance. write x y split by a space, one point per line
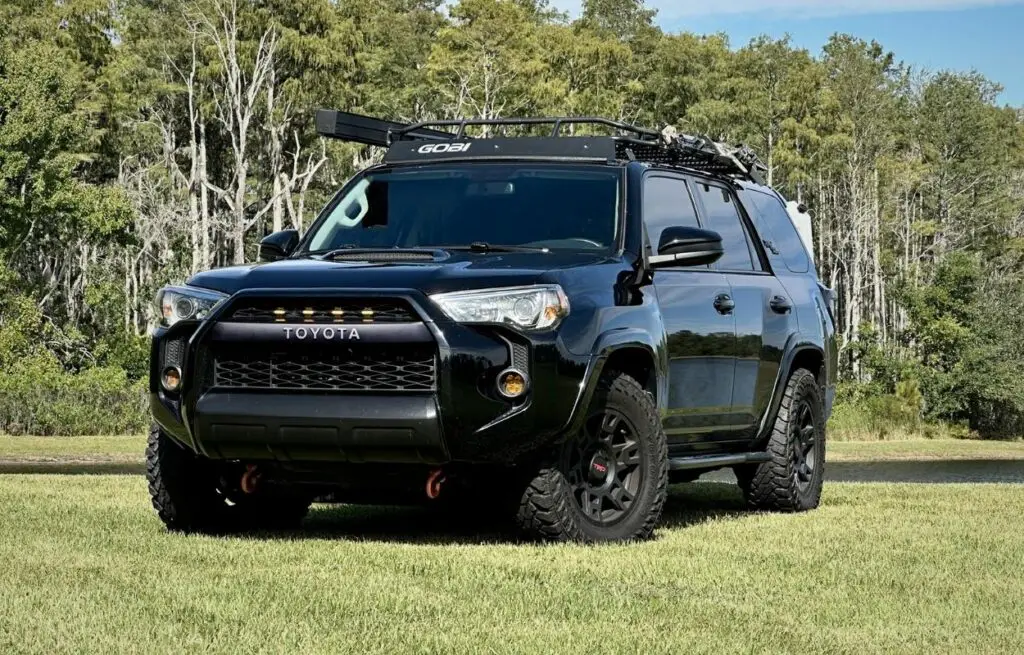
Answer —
599 467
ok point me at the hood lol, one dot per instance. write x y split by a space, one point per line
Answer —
460 271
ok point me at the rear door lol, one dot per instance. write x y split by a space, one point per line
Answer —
699 323
763 308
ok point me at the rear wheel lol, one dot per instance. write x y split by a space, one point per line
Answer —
609 482
194 494
792 479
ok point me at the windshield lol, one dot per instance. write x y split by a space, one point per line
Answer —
554 207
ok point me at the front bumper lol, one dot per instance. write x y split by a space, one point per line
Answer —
461 419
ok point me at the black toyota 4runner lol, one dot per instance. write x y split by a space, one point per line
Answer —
556 325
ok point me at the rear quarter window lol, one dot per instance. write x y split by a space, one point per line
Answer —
776 229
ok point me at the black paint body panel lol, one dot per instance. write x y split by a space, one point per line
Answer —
717 379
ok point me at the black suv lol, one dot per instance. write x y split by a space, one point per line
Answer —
556 325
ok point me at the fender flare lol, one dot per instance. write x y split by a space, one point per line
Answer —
607 344
797 344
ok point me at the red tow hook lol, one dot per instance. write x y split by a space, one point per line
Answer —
250 479
434 482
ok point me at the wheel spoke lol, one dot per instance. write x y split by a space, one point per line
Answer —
807 438
587 503
621 497
609 424
627 454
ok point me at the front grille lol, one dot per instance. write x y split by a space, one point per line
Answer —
366 369
323 310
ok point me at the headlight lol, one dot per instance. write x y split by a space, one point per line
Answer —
186 304
528 308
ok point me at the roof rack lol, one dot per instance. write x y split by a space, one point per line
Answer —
556 122
628 143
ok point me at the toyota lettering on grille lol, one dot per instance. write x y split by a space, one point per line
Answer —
321 333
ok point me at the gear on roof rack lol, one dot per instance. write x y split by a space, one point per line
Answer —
627 143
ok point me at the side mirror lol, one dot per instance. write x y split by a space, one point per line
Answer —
687 246
278 245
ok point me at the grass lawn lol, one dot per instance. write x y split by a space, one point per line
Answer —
85 567
72 449
940 449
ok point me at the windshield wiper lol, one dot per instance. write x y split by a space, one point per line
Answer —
483 247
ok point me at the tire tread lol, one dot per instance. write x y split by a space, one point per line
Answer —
770 486
545 508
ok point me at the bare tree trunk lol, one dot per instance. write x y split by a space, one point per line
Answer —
235 96
204 198
878 303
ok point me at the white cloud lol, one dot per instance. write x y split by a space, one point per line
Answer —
670 10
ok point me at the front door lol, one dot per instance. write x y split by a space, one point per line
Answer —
697 310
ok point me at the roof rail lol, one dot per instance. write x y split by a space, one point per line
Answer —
631 143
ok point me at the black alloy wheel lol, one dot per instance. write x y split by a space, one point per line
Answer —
803 437
603 467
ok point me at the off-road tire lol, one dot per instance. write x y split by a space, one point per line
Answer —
185 492
549 511
778 485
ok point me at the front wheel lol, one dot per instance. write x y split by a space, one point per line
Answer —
193 494
607 483
792 479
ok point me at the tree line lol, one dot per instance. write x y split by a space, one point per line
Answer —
144 140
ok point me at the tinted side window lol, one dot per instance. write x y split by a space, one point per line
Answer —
773 224
722 216
667 203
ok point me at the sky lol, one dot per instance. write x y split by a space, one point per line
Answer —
984 35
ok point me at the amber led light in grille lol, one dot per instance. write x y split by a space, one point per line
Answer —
363 312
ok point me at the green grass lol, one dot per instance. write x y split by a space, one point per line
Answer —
85 567
940 449
64 449
130 449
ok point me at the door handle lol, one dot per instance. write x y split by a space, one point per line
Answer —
780 305
724 304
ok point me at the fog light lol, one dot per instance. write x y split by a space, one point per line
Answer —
171 378
512 383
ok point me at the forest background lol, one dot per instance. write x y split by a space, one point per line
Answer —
144 140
